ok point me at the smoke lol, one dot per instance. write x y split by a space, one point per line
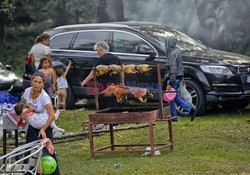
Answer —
222 24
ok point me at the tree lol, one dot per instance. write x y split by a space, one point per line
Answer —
110 11
6 13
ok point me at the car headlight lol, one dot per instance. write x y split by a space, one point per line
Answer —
216 69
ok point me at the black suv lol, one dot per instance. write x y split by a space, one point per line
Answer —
213 77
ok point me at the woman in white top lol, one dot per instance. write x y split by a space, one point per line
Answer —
41 49
36 97
62 85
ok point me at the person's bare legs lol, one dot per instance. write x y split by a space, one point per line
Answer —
64 97
60 94
59 99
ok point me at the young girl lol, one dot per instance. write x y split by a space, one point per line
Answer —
62 85
49 75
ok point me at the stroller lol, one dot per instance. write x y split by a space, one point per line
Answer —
23 159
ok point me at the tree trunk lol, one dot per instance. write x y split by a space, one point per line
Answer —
76 12
1 30
2 25
110 11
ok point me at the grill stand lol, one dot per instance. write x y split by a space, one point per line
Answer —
113 116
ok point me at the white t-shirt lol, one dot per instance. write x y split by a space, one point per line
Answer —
62 82
38 103
39 50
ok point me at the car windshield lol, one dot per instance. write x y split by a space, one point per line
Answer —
159 34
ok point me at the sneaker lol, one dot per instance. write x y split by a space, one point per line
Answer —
57 129
82 101
192 113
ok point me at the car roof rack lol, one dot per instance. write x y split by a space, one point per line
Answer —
91 25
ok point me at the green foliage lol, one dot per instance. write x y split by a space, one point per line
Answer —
7 10
18 42
26 19
23 20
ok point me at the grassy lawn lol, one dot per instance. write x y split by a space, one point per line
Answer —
216 143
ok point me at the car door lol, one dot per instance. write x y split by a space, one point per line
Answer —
125 46
60 48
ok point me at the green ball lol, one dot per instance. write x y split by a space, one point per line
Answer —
48 164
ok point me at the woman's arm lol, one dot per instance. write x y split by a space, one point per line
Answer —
51 114
29 107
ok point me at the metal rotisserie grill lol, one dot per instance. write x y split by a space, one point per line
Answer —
149 115
113 116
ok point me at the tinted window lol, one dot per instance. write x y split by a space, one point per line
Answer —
185 42
86 40
127 42
61 41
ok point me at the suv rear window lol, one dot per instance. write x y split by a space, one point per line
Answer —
61 41
86 40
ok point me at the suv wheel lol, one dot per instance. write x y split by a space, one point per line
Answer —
198 98
70 102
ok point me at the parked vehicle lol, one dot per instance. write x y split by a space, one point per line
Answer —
212 77
9 82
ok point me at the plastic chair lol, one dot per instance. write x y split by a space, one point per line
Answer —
23 159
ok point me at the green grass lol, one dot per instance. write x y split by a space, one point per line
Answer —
216 143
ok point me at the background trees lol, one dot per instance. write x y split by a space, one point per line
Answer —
222 24
110 11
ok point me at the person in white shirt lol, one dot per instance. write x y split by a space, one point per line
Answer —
41 49
36 97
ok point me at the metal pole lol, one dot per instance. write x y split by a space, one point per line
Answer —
96 89
160 89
